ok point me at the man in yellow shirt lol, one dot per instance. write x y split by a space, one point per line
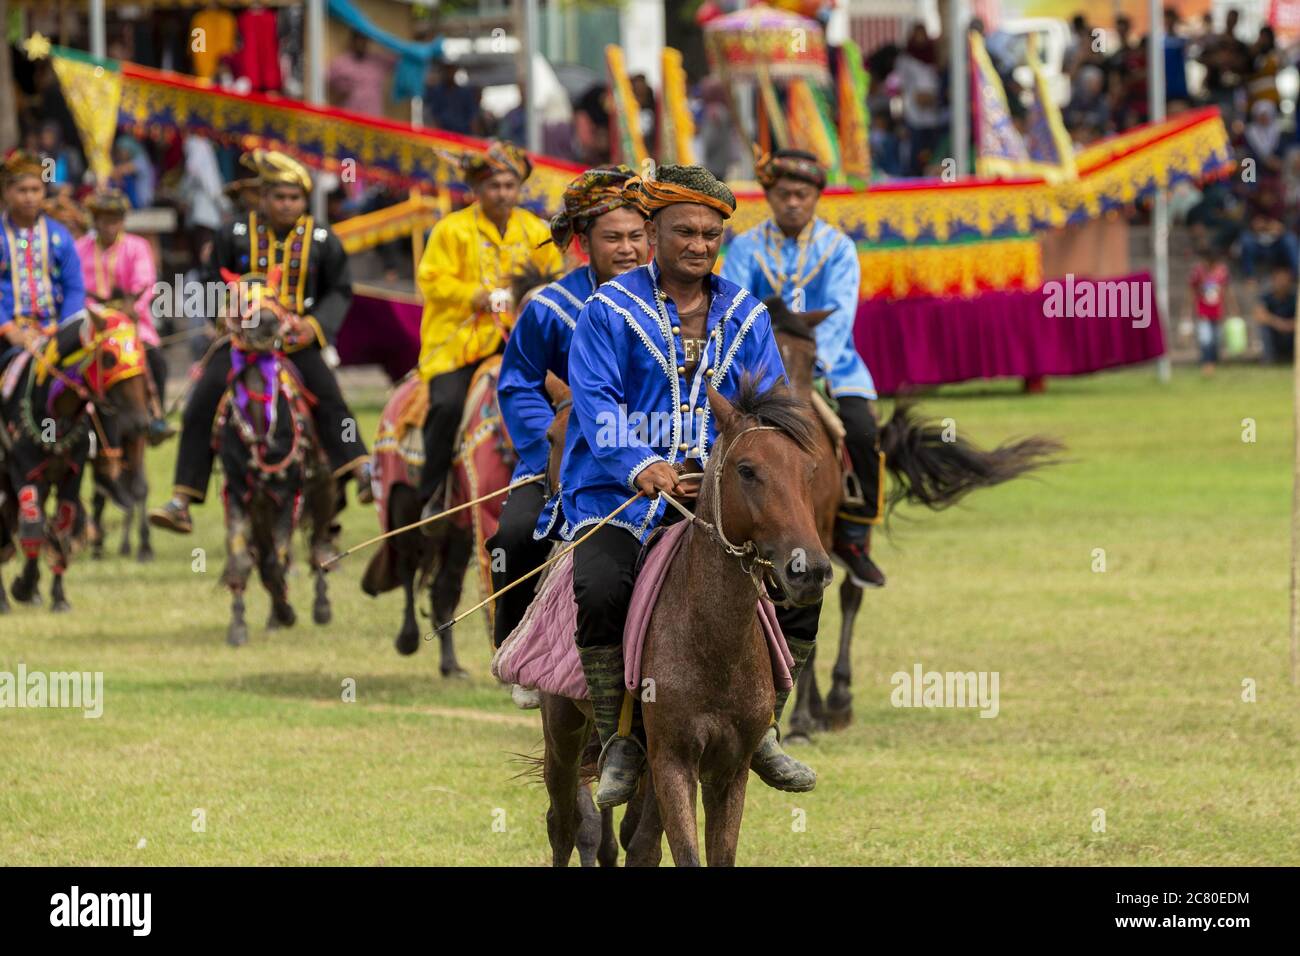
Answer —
465 277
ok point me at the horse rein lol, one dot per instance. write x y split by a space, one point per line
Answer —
759 569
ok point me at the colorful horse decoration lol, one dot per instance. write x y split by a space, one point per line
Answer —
276 472
76 388
483 463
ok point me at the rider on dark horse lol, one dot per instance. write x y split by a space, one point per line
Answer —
117 266
465 276
811 265
611 231
315 286
651 343
40 274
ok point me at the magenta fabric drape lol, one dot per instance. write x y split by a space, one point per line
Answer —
932 341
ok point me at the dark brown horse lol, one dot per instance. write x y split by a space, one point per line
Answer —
753 528
928 468
97 389
437 562
123 480
276 472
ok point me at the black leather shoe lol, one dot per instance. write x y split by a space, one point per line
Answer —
862 570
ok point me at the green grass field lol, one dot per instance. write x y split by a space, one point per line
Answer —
1121 690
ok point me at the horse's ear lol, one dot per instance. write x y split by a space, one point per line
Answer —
230 278
723 411
273 278
556 390
815 318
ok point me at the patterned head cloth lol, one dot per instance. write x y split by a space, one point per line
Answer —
683 184
276 169
791 163
501 157
591 195
17 164
112 202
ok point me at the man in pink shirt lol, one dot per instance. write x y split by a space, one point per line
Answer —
116 265
358 79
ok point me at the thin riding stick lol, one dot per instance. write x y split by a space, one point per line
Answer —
537 570
182 336
442 514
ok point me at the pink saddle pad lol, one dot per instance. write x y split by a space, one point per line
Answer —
541 652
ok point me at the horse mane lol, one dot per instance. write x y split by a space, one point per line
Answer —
777 407
527 279
784 320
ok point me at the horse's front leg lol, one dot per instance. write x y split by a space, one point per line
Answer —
239 565
124 549
275 568
839 702
675 781
140 485
803 723
95 530
31 536
644 844
444 595
724 804
565 729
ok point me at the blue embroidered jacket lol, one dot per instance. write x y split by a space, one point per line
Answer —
632 402
539 343
52 290
823 263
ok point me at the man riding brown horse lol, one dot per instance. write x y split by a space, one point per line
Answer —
468 265
648 347
812 266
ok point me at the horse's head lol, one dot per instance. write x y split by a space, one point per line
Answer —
259 318
796 339
112 364
562 401
759 485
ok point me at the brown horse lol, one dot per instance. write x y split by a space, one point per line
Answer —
276 471
127 486
928 469
704 649
96 389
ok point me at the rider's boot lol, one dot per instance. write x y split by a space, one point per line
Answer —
365 490
853 550
432 508
621 756
173 516
774 766
159 431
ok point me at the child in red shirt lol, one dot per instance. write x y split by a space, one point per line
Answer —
1211 287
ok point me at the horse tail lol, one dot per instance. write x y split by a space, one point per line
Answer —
937 470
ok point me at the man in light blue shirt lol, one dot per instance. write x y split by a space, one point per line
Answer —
811 265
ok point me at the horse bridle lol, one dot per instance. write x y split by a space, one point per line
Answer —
758 568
